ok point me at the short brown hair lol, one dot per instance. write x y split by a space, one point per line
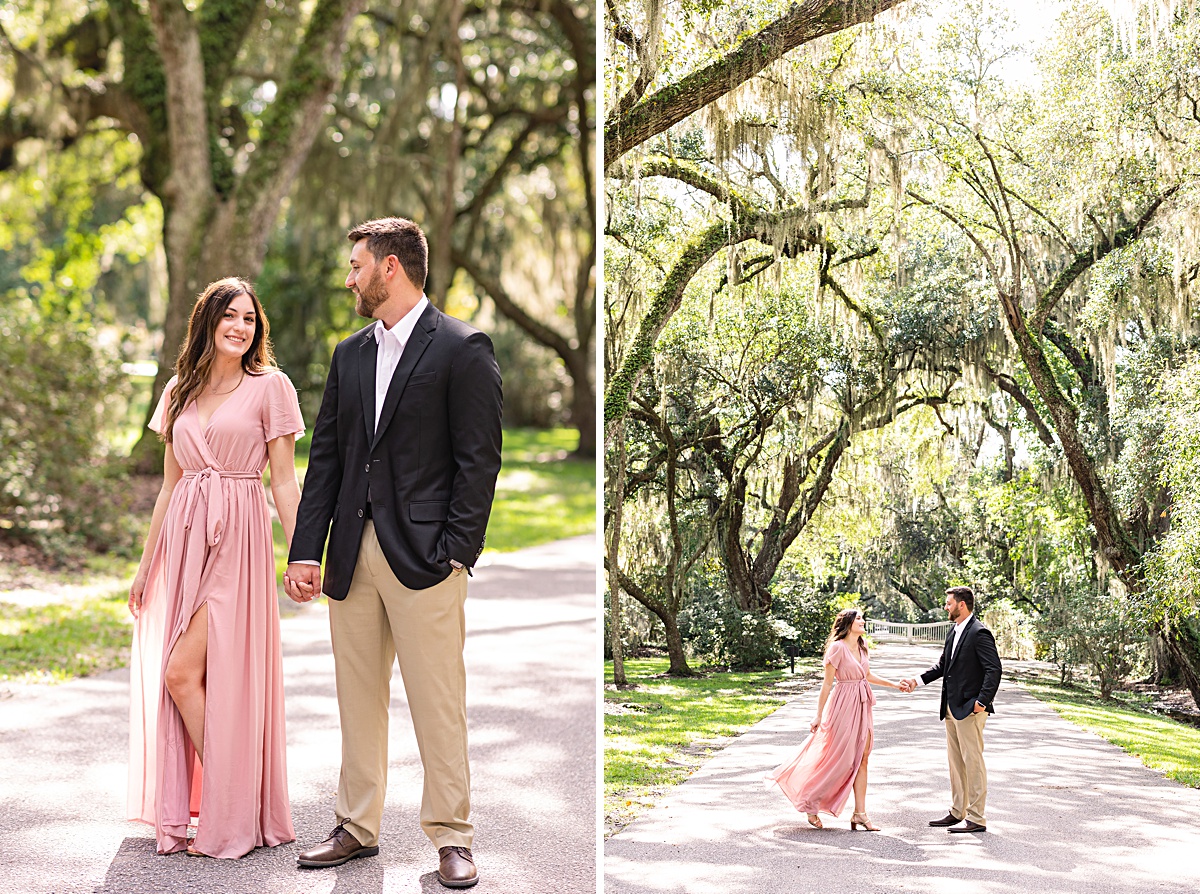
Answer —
965 595
400 237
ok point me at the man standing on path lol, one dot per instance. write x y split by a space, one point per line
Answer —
403 465
970 671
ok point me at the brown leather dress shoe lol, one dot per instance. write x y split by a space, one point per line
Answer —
335 850
967 826
456 867
948 820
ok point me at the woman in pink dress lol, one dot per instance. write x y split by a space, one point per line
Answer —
207 738
833 761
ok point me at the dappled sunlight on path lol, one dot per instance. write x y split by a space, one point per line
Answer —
1067 812
531 704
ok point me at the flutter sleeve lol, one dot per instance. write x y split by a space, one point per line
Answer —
158 420
281 409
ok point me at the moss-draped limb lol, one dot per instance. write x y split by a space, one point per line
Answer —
1085 259
695 176
292 122
1009 386
665 302
790 232
666 107
224 25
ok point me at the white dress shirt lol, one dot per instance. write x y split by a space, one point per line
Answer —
391 345
958 629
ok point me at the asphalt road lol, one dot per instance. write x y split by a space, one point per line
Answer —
1067 812
531 663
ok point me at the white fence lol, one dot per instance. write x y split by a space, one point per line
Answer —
910 633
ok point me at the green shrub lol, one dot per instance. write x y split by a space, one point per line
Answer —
1104 632
809 611
718 632
59 488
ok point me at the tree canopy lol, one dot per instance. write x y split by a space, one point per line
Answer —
986 241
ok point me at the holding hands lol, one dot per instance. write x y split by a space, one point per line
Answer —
302 582
908 685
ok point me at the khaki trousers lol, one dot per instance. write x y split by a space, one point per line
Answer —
379 621
968 775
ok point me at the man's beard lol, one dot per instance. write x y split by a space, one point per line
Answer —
371 295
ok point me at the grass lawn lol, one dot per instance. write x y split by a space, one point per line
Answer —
1160 742
542 495
658 733
56 642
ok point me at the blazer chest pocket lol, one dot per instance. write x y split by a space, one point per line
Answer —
422 379
429 511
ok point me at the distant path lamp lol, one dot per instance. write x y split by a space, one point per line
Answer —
791 649
790 637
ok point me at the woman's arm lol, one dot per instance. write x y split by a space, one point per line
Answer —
880 681
281 454
171 475
825 687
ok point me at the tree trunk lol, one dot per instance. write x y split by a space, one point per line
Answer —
441 246
616 498
679 666
583 401
747 591
207 236
1182 641
803 22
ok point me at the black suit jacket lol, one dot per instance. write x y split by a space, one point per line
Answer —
430 466
972 676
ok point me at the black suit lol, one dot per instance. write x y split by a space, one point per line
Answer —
430 465
972 675
430 468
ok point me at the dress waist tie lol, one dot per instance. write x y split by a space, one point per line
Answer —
862 688
208 480
205 495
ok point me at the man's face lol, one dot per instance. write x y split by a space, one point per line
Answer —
365 280
954 609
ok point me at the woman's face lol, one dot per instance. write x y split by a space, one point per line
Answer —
235 329
859 625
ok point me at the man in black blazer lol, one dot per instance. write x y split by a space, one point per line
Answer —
401 476
970 672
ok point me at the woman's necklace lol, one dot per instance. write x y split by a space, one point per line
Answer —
214 392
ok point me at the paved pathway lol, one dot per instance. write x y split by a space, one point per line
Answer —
1067 812
531 657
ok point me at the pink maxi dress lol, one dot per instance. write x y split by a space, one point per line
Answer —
215 549
821 777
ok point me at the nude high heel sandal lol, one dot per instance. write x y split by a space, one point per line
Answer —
860 819
815 821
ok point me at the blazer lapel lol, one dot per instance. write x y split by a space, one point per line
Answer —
367 353
421 338
962 640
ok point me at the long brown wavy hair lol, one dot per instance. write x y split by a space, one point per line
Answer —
841 628
197 352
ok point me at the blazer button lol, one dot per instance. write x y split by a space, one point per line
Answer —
368 468
360 513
